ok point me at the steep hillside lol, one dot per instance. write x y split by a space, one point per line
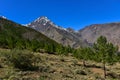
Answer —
13 33
110 30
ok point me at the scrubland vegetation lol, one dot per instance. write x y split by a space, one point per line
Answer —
26 65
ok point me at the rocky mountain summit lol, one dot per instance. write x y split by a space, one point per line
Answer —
57 33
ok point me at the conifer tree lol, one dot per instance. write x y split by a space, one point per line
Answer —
105 50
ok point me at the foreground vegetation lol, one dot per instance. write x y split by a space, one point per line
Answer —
75 64
44 66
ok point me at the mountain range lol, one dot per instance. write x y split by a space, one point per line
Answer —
84 37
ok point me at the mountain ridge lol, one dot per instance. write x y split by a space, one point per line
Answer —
83 37
80 38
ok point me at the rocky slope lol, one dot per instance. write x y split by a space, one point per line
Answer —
57 33
109 30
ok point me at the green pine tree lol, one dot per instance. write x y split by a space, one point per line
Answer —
105 50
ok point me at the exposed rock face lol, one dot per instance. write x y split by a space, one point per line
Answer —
57 33
110 30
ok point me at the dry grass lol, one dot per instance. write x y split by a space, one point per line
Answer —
56 67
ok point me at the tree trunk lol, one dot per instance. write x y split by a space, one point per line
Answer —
104 70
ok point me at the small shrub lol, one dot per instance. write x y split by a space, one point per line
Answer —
62 59
1 66
41 78
75 62
44 77
21 59
113 75
67 76
0 63
81 72
8 73
44 68
98 77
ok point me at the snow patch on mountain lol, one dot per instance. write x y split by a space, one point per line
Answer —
27 25
3 17
44 20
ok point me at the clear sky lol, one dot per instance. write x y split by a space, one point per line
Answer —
66 13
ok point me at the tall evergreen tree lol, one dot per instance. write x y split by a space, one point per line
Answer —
105 50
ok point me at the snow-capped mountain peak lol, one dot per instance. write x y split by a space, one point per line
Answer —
43 20
3 17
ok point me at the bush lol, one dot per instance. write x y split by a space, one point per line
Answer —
81 72
113 75
22 59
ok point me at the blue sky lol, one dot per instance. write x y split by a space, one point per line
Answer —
66 13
